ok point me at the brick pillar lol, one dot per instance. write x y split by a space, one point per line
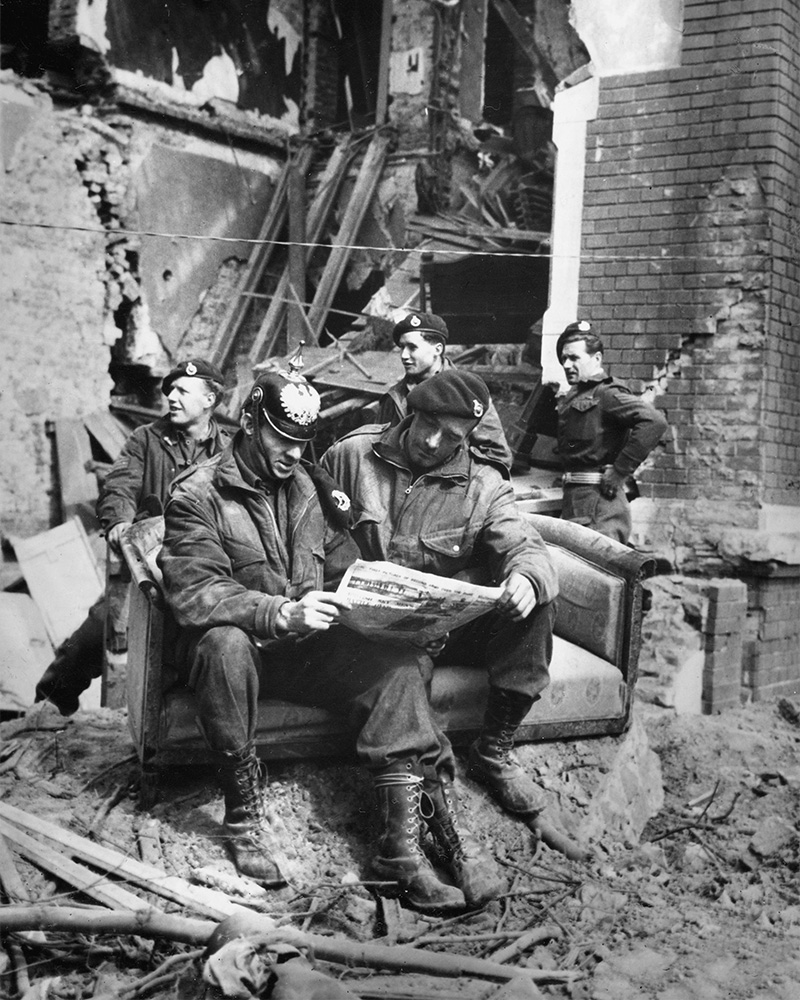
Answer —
723 630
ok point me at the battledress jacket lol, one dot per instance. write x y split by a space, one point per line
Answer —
489 435
147 464
458 518
225 559
602 422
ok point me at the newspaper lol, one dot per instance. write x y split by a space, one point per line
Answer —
392 602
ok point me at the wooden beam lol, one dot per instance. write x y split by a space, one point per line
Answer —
523 36
271 227
178 890
321 207
295 328
358 203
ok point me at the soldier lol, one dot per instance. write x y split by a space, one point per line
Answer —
423 498
605 432
137 485
422 338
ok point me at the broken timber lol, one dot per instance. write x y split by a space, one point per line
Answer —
14 822
253 273
322 204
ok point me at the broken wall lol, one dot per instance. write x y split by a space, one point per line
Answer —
95 284
688 274
53 349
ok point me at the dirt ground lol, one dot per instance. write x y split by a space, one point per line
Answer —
703 901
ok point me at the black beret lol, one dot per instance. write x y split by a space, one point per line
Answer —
193 368
453 392
572 331
289 404
417 322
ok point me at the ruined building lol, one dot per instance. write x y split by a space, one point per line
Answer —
635 162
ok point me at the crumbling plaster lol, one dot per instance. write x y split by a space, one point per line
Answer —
53 354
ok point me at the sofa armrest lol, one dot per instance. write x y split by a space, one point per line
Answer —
581 619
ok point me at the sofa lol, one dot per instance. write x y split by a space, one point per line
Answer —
597 637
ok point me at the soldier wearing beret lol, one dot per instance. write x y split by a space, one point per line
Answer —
422 339
137 485
605 432
248 537
423 498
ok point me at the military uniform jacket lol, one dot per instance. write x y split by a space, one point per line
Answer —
459 517
488 436
602 422
226 560
147 464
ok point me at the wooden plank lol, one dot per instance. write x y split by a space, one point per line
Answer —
78 486
62 575
357 205
274 221
209 902
321 207
25 650
78 876
297 254
107 431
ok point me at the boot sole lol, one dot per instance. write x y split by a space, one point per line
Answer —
405 895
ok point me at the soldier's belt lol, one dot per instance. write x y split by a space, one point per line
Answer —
582 478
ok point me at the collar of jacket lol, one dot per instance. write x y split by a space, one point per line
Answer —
593 380
389 448
227 474
164 429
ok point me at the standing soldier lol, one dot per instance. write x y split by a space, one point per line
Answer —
605 432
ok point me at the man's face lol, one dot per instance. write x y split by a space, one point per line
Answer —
420 357
433 437
578 364
279 455
189 401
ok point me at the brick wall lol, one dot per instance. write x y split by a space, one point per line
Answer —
690 269
772 657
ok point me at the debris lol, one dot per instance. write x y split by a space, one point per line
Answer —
771 836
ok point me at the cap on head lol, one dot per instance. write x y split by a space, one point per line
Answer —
573 331
288 403
418 322
193 368
453 393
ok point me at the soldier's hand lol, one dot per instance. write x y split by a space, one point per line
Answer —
611 482
316 611
518 598
114 534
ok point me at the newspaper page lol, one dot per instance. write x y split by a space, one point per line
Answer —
392 602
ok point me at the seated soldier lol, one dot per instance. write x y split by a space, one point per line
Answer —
245 539
137 485
424 497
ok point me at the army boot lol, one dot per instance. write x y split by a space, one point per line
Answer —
462 854
492 761
249 839
400 858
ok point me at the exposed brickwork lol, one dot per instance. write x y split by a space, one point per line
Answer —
723 637
773 655
690 245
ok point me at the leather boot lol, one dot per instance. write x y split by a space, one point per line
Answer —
400 858
492 761
249 839
471 865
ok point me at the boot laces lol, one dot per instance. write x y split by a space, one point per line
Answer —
413 797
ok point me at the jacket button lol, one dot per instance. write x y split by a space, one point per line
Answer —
456 548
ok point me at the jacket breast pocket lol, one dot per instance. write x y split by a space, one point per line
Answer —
248 565
445 552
